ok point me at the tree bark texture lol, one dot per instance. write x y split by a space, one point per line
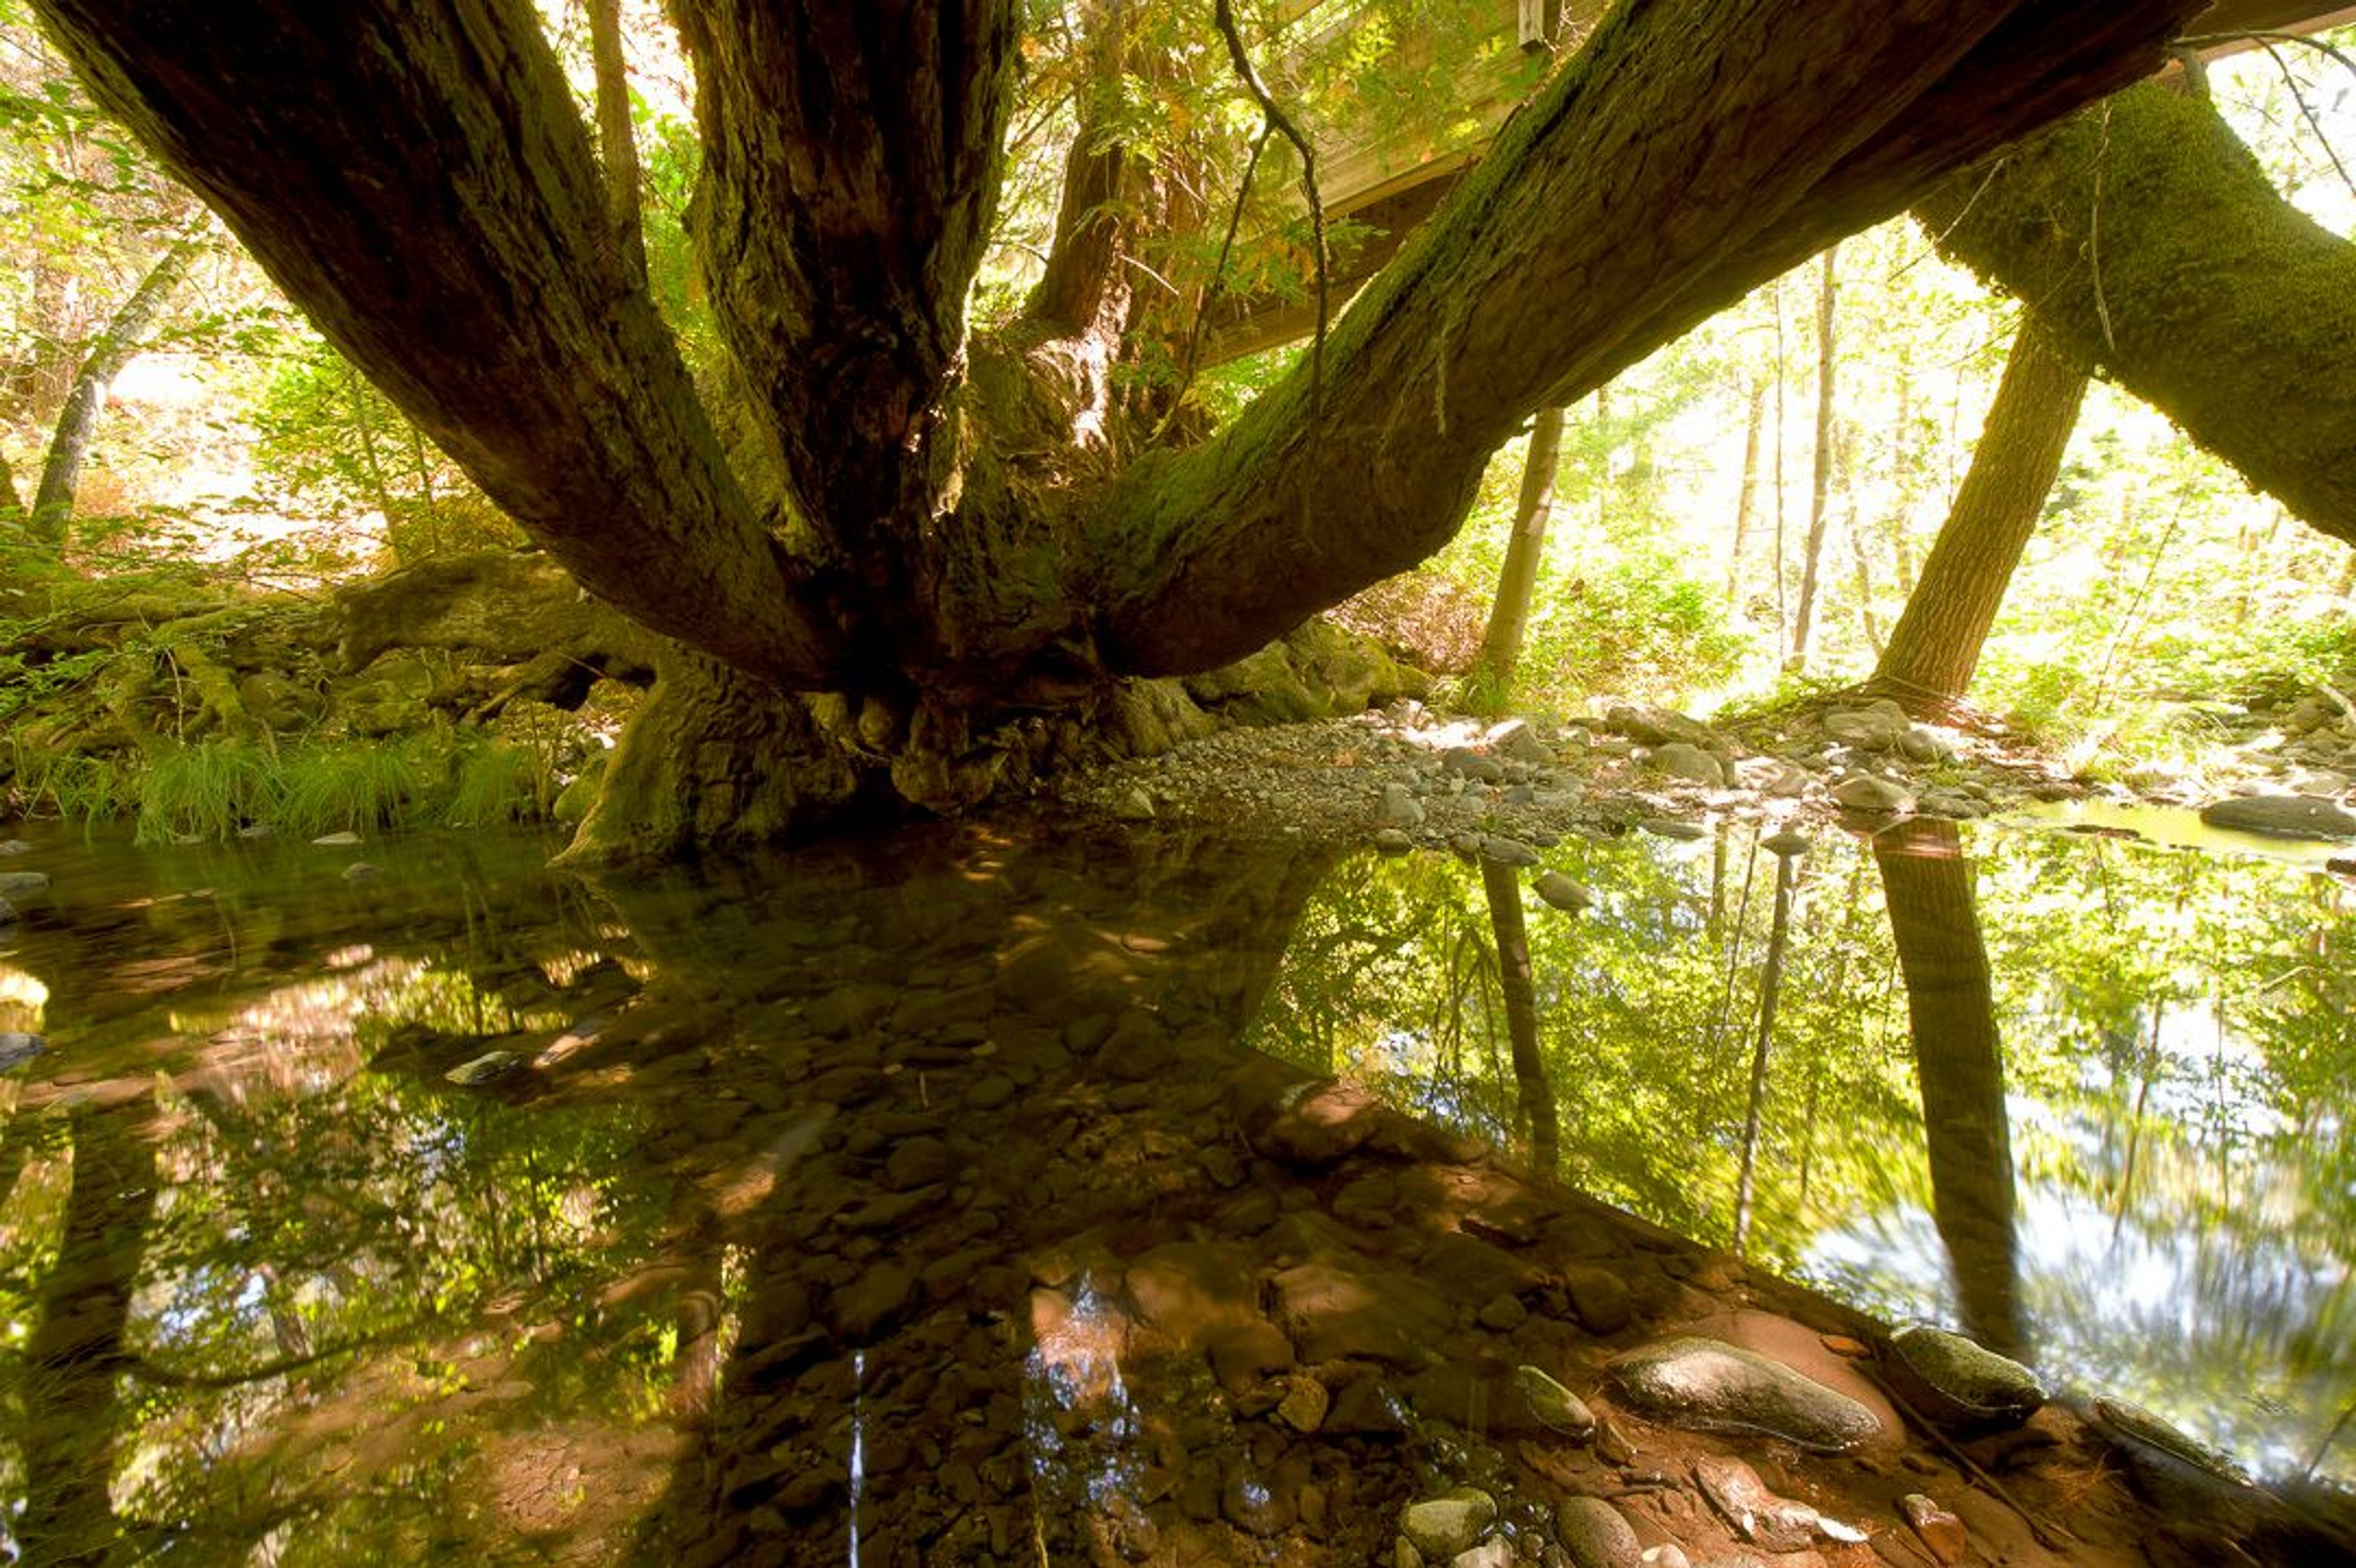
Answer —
2148 240
1492 681
1959 1064
417 179
1936 643
78 418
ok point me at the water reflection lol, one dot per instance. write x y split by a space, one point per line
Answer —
2088 1100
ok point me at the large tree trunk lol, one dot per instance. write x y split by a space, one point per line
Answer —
941 526
1936 643
2150 242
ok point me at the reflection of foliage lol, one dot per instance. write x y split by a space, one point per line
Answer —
2180 1072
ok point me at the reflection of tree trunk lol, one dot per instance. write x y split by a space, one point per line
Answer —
72 1414
1927 884
1514 976
1771 987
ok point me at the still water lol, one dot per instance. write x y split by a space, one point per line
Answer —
274 1289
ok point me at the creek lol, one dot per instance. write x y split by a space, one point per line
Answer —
410 1201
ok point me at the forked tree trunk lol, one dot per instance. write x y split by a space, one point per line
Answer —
933 527
1490 685
1936 643
2149 241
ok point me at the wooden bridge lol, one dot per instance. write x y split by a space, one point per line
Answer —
1391 183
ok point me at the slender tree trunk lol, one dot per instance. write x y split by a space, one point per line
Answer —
1959 1063
618 143
1936 643
1746 501
78 420
1490 687
1821 481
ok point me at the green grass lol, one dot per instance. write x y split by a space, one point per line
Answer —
358 786
204 791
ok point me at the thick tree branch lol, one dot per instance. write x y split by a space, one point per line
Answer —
482 300
850 172
2228 309
1697 148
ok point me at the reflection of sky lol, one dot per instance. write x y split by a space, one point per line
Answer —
2211 1330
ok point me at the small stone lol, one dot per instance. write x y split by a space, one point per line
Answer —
1563 893
332 840
1757 1514
1133 805
488 1068
1683 759
1504 1314
1515 741
1466 762
1400 808
920 1162
1442 1527
1393 840
2141 1427
1672 829
1863 792
17 1048
1600 1298
1502 851
1787 844
1304 1404
1555 1406
1939 1531
1596 1534
361 870
1493 1553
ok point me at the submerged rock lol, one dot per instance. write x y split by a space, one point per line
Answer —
17 1048
1778 1523
1717 1387
1953 1381
1508 851
1554 1405
1670 828
2281 816
2143 1430
488 1068
20 882
1441 1527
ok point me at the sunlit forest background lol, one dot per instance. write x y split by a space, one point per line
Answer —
226 438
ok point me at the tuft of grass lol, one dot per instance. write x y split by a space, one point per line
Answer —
496 783
356 787
207 791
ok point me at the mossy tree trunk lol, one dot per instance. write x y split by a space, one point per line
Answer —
1935 647
947 524
2149 243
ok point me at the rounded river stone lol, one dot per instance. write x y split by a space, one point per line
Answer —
1596 1535
2281 816
1713 1386
1950 1378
